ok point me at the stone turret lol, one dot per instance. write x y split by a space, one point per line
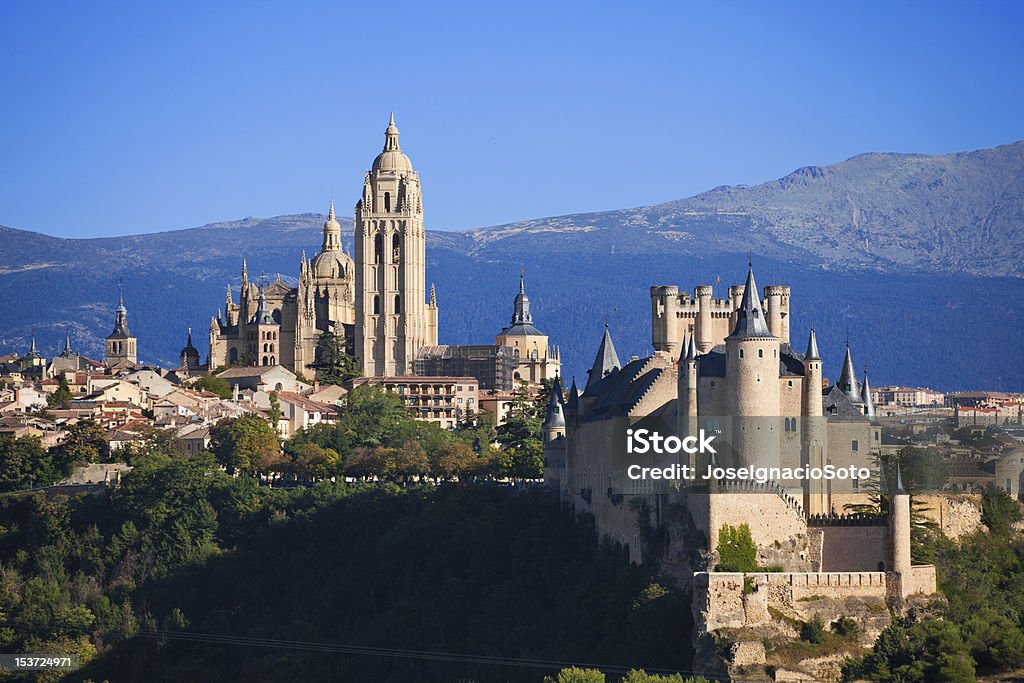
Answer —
869 403
752 364
777 298
553 427
899 538
705 335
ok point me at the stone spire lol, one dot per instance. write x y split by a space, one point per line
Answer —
899 490
433 295
227 299
869 403
848 378
67 345
245 275
812 347
606 361
750 321
521 314
391 135
32 352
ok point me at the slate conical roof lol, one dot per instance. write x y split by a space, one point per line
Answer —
750 321
812 347
555 416
848 378
573 402
869 403
606 361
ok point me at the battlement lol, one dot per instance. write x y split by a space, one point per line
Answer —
854 519
776 290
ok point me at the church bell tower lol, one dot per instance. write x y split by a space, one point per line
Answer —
393 316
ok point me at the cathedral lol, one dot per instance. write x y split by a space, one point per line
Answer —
377 302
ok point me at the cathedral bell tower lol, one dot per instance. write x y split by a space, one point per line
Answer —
393 317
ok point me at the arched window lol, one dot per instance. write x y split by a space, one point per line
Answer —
396 248
760 353
398 303
378 248
272 361
264 347
376 304
387 202
264 360
271 348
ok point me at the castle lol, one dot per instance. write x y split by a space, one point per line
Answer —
726 366
377 302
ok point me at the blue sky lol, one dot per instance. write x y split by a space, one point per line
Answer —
131 117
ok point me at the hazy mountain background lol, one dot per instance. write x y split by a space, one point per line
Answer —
916 258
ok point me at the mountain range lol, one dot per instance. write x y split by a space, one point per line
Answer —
915 259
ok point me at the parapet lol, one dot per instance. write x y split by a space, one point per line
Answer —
776 290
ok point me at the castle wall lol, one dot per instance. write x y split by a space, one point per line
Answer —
853 548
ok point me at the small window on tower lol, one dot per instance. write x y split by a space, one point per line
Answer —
398 303
376 304
378 248
387 202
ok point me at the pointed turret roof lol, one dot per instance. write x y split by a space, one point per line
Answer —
848 378
899 490
750 321
691 351
812 347
684 352
32 352
606 360
121 330
555 415
869 403
67 346
573 402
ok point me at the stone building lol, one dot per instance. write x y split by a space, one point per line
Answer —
122 345
536 360
377 303
393 317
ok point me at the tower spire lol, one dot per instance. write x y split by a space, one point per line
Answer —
391 135
750 321
607 360
848 377
812 347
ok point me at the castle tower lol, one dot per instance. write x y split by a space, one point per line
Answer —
752 366
688 383
899 537
393 318
777 297
121 344
705 334
553 427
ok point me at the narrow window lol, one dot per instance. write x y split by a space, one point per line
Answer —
387 202
398 303
376 304
855 446
378 248
760 353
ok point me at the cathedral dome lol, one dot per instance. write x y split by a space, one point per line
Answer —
392 159
332 264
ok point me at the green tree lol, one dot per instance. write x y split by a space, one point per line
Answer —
575 674
999 510
246 444
275 411
736 549
332 363
62 394
215 385
86 441
24 463
313 461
